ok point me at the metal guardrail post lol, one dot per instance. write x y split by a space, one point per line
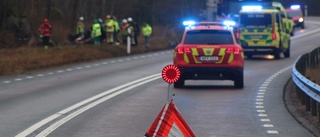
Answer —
308 103
308 91
313 107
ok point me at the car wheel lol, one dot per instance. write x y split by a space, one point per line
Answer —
287 52
292 32
178 84
302 26
238 82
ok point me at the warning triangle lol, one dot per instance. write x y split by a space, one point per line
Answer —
169 123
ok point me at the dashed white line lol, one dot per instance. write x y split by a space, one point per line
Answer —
18 79
96 65
260 96
261 111
50 73
29 77
262 115
88 66
40 75
113 61
259 106
78 67
60 71
273 132
69 69
6 82
268 125
105 63
265 120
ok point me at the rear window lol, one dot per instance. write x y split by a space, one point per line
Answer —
255 20
208 37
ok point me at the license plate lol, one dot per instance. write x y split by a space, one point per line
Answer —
256 36
208 58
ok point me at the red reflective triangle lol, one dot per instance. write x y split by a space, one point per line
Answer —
169 122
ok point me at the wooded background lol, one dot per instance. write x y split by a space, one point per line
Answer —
19 19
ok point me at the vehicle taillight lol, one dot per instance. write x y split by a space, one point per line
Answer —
183 50
274 35
233 50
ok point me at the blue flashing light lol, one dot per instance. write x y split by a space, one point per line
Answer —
229 23
295 7
189 23
251 8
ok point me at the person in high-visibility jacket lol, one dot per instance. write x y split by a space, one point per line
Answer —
116 30
96 32
80 27
125 29
110 29
146 32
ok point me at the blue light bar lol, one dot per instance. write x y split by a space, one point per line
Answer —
251 8
189 23
229 23
295 7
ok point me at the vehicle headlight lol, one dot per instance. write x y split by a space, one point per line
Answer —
300 19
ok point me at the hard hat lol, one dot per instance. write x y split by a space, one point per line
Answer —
129 19
124 21
81 18
108 17
45 20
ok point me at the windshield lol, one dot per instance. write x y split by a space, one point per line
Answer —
255 20
208 37
294 13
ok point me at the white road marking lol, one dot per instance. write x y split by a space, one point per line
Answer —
260 96
69 69
18 79
6 82
78 67
105 63
50 73
60 71
29 77
83 106
88 66
113 61
259 106
265 120
268 125
261 93
259 103
40 75
259 99
262 115
261 111
96 65
273 132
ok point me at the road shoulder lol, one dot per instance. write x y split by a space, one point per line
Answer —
297 110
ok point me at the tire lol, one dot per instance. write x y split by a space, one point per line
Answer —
276 55
292 32
239 82
287 52
302 26
178 84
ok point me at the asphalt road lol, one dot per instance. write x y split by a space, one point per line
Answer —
121 97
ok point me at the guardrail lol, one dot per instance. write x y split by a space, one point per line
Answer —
308 91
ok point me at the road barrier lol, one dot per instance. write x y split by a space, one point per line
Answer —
308 91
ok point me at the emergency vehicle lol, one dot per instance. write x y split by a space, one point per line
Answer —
287 21
295 13
209 51
261 32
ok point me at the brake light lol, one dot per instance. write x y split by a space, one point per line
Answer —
183 50
274 35
233 50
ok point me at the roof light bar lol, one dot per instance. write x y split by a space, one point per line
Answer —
188 23
294 7
251 8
